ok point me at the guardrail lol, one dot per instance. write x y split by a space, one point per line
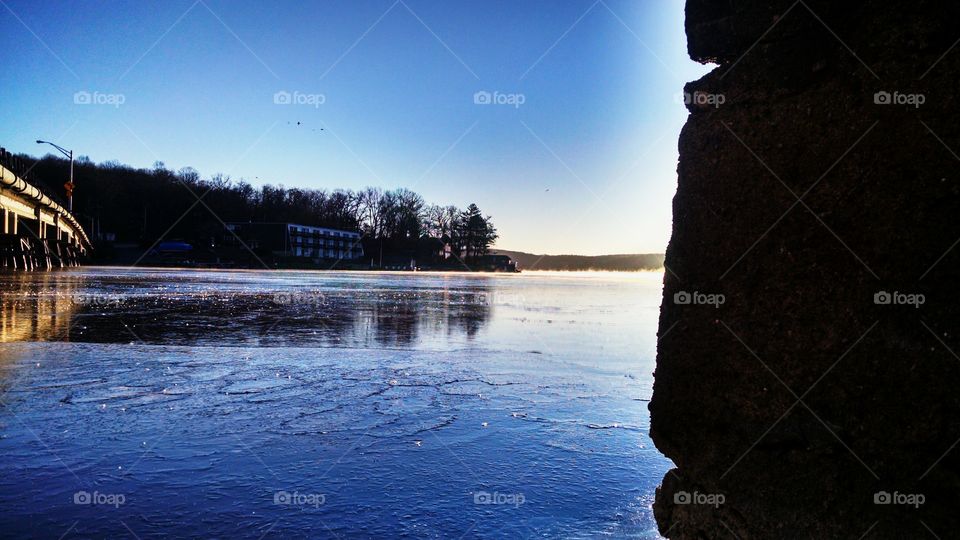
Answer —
10 180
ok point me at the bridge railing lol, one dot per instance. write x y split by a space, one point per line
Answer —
23 169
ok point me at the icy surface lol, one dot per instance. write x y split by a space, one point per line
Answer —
314 405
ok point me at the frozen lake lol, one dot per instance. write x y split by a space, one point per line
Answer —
227 404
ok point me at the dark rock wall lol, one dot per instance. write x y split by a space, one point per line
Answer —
811 180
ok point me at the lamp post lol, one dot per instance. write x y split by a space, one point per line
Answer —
69 185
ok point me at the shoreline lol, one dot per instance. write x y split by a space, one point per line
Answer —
540 272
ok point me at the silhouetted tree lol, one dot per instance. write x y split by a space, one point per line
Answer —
475 233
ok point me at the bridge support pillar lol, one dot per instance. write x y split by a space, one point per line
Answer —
38 228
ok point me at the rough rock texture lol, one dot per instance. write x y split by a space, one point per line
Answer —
799 401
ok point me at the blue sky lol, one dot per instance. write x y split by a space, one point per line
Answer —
585 164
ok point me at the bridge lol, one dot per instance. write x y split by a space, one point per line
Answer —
38 233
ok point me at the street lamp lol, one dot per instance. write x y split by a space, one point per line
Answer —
69 185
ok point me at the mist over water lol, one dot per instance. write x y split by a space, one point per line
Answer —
324 404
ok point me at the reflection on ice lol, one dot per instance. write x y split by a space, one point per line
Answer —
233 309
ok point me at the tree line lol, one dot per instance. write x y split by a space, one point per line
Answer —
144 205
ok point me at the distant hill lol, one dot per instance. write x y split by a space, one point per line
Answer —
619 263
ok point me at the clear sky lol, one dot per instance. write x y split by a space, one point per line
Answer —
578 157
